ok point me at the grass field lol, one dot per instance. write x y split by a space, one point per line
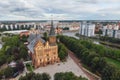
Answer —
114 62
29 67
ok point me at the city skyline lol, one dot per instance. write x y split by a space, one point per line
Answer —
60 9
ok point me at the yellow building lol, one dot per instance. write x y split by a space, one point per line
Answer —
43 52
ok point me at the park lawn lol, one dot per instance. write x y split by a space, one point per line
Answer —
114 62
29 67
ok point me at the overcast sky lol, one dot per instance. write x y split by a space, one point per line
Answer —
60 9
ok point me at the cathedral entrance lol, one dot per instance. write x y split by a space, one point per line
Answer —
48 62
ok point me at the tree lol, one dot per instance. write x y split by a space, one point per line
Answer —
2 59
23 54
7 72
67 76
1 74
10 58
62 51
116 75
94 63
45 35
45 76
93 56
108 71
20 66
35 76
24 38
61 55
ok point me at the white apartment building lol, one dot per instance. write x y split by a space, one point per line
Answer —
111 30
117 35
7 27
87 29
1 25
111 33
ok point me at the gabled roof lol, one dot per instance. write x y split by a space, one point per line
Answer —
33 42
31 37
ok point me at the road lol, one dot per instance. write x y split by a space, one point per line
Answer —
71 34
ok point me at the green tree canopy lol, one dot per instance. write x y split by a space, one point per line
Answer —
67 76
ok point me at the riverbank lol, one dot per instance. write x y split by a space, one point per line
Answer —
109 44
105 43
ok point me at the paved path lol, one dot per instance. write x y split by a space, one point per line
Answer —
68 66
77 61
72 64
71 34
27 62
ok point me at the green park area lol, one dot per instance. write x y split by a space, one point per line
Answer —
113 62
99 59
29 67
13 50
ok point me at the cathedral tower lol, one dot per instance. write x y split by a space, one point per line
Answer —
52 37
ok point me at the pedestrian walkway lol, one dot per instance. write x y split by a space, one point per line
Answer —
90 75
68 66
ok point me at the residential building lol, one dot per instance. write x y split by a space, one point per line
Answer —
111 33
87 29
117 34
72 25
111 30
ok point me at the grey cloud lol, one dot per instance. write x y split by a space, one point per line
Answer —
88 1
67 8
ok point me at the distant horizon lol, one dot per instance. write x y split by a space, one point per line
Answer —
60 20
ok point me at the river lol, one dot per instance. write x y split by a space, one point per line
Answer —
72 34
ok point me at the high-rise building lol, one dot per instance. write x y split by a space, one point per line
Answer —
87 29
111 33
111 30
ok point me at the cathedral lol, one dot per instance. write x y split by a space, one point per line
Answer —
43 52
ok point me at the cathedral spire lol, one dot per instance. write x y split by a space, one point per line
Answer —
52 30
